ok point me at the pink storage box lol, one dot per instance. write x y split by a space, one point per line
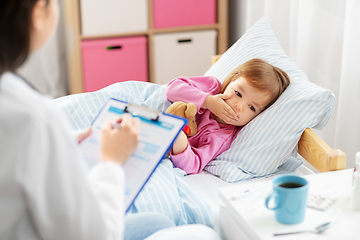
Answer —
107 61
175 13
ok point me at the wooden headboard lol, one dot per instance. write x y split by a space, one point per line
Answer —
314 150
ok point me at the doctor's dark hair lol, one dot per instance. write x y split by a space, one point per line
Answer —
15 28
261 75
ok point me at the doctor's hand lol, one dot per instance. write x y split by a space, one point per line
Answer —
118 143
84 135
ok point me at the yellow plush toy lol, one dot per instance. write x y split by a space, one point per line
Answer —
186 110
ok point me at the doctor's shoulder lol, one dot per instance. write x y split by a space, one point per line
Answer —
26 108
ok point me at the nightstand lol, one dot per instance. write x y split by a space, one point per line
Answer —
243 214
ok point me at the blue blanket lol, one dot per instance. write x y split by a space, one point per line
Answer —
165 192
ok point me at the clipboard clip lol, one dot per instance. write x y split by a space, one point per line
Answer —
141 111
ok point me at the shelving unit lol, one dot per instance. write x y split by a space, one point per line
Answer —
74 38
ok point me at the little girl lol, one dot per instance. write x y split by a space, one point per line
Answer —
223 109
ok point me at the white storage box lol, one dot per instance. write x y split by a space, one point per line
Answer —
183 54
113 16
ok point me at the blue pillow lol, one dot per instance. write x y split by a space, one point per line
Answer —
269 141
165 192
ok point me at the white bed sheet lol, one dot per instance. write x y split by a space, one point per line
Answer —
207 185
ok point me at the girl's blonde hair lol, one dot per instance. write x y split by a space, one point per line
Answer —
261 75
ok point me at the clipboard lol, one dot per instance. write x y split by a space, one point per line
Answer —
157 134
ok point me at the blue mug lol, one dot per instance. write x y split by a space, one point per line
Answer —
290 195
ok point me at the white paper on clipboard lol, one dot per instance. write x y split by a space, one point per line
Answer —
157 134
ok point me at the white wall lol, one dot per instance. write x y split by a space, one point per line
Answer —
237 10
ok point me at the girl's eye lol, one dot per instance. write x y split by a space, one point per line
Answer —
252 108
237 93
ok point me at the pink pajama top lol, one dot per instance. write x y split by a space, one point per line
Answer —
212 137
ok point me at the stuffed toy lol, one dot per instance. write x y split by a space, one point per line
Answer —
186 110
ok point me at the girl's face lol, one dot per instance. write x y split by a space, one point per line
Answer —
246 101
45 18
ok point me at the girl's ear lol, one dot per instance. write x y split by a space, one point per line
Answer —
38 16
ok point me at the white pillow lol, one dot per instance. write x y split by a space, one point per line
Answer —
270 140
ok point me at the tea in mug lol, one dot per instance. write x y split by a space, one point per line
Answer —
290 185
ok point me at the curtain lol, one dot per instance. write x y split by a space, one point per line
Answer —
323 38
46 68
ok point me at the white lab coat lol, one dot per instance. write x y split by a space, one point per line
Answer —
45 191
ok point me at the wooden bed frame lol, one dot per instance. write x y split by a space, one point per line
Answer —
315 151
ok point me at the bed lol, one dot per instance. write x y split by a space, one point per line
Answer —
277 141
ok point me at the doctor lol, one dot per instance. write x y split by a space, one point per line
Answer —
45 192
